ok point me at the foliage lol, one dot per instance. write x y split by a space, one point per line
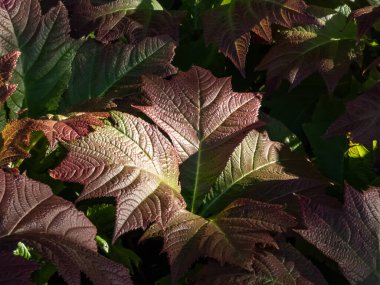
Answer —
223 134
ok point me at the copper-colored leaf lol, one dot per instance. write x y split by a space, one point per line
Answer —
229 26
7 66
205 120
131 161
366 17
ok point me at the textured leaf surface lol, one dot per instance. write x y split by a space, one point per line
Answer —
328 50
15 269
44 67
97 68
205 120
131 161
365 18
283 267
30 212
229 26
134 19
361 119
7 66
349 236
262 169
16 134
232 236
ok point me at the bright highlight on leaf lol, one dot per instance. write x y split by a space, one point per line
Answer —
205 120
131 161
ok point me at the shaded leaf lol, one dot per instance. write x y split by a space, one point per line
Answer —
349 236
15 269
16 134
51 225
205 120
131 161
264 170
283 267
361 119
365 18
7 66
328 50
229 26
44 68
232 236
119 65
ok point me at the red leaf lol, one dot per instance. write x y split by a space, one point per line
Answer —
365 18
7 66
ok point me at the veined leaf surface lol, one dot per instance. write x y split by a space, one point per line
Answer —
131 161
205 120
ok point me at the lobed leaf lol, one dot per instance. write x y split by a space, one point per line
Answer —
51 225
204 119
44 68
229 26
361 119
16 134
328 50
231 237
283 267
349 236
262 169
131 161
7 66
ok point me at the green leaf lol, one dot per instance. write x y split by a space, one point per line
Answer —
22 250
97 68
44 68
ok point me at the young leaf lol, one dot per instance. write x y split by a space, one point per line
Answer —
361 119
285 266
52 226
365 18
205 120
131 161
15 269
262 169
349 236
328 50
118 64
46 49
16 134
7 66
229 26
232 236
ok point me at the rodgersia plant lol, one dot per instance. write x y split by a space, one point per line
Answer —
189 142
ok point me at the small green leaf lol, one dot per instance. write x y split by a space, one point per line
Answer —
22 250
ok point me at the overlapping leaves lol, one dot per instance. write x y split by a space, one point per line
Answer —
229 26
328 50
349 236
53 227
131 161
7 66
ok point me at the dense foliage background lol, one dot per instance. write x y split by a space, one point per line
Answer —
189 142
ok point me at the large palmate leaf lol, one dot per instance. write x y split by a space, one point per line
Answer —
232 236
284 267
229 26
44 68
328 50
205 120
361 119
131 161
16 134
97 68
365 18
7 66
15 269
133 19
264 170
31 213
349 236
